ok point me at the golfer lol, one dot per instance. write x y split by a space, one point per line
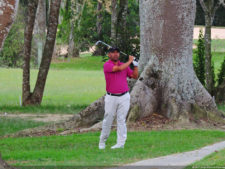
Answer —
117 99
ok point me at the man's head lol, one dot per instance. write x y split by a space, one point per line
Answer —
114 54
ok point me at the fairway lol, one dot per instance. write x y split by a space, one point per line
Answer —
67 88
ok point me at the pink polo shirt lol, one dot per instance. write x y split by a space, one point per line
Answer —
116 82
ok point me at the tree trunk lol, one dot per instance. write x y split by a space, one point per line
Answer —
168 84
122 16
208 55
39 29
77 8
209 7
35 98
28 35
8 10
73 49
99 51
113 21
122 35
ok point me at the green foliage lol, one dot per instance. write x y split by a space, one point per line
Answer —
12 52
214 160
199 59
221 75
128 39
64 28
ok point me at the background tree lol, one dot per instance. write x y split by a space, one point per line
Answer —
39 29
199 59
8 11
35 97
99 50
209 7
77 8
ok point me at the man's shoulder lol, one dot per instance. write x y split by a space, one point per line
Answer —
107 63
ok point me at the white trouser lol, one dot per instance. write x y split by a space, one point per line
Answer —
115 105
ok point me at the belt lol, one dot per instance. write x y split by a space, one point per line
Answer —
119 94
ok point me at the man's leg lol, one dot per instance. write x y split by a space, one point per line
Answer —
123 108
110 109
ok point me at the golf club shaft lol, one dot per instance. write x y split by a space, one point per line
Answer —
109 46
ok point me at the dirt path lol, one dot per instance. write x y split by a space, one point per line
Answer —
40 117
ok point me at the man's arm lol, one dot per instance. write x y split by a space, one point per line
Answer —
123 66
135 73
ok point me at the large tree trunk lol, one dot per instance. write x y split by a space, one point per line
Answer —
8 9
35 98
168 84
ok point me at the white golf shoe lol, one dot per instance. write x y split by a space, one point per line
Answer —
117 146
101 146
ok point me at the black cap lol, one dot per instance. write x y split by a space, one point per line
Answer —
113 49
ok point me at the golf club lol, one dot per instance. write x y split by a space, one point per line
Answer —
111 47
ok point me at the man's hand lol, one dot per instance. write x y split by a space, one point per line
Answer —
131 58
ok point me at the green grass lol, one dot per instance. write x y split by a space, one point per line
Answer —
215 160
86 62
221 107
12 125
82 149
66 91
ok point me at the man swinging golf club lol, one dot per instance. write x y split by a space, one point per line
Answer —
117 99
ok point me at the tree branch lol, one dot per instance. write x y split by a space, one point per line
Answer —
222 2
215 8
205 9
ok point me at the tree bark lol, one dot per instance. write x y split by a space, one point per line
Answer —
77 8
35 98
39 29
8 10
168 84
73 49
28 35
208 55
113 21
122 24
99 51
